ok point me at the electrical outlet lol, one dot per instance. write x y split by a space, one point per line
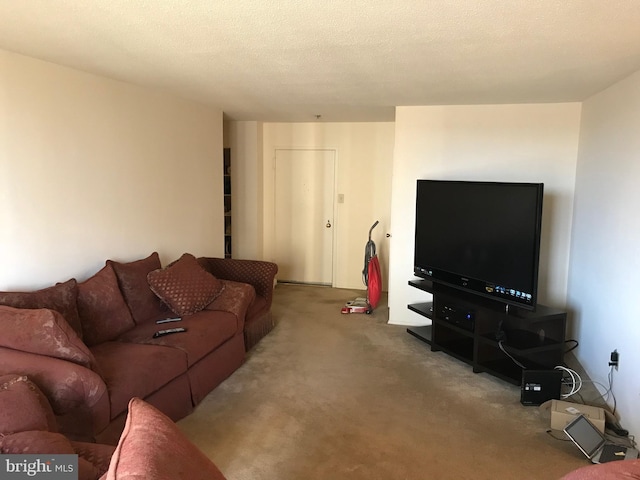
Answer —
614 359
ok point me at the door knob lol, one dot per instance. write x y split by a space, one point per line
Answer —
328 225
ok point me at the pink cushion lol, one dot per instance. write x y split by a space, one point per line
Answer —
185 286
103 311
625 469
44 332
23 406
61 298
153 447
36 441
33 442
132 279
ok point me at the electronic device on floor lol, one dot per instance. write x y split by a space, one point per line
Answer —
594 445
538 386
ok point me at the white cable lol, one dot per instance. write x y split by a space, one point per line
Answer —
507 354
576 380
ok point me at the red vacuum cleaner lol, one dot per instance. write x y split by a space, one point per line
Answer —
372 279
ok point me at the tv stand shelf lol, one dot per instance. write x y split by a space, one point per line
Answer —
482 333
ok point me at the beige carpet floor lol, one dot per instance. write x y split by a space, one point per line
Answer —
332 396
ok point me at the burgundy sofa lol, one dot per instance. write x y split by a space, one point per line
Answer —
151 445
90 346
28 426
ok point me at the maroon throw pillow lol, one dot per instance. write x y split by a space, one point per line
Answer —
44 332
23 406
103 311
132 279
61 298
185 286
152 446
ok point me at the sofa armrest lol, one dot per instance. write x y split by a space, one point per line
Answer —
259 273
77 394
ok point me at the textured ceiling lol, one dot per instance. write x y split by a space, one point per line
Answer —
347 60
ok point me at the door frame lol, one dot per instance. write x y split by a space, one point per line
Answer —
334 208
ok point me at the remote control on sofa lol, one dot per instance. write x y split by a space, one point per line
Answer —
162 333
168 320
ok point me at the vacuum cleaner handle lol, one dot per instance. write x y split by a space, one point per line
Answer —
372 227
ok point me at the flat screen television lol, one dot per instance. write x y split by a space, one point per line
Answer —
480 237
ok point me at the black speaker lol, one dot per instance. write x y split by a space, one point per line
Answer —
538 386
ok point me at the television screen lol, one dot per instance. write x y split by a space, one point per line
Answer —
482 237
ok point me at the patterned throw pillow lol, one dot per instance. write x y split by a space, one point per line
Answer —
23 406
61 298
44 332
185 286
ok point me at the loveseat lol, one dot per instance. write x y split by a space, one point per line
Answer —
90 346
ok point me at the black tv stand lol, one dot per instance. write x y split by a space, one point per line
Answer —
486 335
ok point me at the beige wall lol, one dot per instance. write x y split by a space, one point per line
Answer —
364 155
92 169
517 143
603 276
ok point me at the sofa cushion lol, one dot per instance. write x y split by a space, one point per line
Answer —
144 305
185 286
153 447
103 312
61 298
33 442
135 370
23 406
236 298
206 331
44 332
627 469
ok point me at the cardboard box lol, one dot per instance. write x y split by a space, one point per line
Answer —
563 412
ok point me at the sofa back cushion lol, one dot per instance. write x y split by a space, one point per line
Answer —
144 305
43 332
60 297
184 286
102 309
23 406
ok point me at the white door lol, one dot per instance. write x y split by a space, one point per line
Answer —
304 228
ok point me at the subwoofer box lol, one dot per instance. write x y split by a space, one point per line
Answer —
538 386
